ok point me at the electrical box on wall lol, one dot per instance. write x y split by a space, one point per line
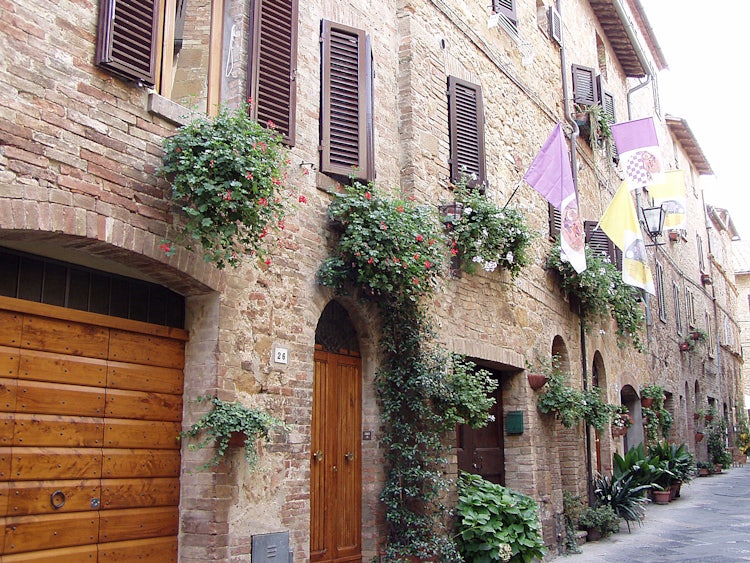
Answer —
514 422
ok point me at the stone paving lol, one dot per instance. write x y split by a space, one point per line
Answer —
709 523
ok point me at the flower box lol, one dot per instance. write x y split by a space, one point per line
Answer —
706 279
684 346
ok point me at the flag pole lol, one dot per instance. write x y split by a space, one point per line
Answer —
515 189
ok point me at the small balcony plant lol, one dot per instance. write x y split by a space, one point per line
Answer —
487 236
227 176
228 420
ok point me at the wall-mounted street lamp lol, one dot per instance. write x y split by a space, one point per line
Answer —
653 222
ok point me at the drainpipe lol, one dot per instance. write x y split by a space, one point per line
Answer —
574 169
719 367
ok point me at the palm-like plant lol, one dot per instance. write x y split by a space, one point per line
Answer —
623 495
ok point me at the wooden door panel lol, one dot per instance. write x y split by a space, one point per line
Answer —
30 533
4 486
55 463
318 492
138 462
80 554
11 325
8 394
138 523
5 461
120 433
7 427
151 550
37 497
145 378
64 337
150 350
41 397
37 365
145 406
131 493
60 431
9 359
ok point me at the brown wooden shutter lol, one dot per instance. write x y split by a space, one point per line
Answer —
127 38
600 242
606 99
584 85
273 64
345 90
507 8
555 221
466 128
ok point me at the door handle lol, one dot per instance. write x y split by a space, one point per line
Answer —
318 455
349 456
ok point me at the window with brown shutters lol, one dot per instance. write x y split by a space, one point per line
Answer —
585 91
598 241
506 8
466 129
555 221
273 63
346 119
606 99
127 41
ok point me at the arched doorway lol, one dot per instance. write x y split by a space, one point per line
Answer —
335 461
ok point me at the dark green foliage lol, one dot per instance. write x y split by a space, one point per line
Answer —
718 452
602 518
495 523
227 175
223 420
622 494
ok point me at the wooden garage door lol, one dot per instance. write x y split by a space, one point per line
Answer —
90 411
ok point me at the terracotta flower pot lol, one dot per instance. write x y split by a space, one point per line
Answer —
647 402
684 346
698 436
709 417
662 497
536 380
696 416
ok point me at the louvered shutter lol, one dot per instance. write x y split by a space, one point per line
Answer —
606 99
345 89
127 38
273 64
555 25
466 128
555 221
584 85
600 242
507 8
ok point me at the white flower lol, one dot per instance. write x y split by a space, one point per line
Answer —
467 210
477 259
491 417
509 257
490 266
602 332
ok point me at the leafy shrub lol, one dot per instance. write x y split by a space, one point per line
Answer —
226 174
495 523
389 245
602 518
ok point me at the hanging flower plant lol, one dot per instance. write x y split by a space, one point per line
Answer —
602 292
227 175
488 236
389 245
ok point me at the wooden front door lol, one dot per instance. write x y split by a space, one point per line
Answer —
90 411
482 450
335 464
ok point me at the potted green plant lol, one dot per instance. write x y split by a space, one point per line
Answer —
595 124
650 393
487 236
599 521
699 335
228 420
710 413
742 435
227 175
704 468
602 293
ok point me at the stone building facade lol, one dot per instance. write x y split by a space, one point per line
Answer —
81 139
